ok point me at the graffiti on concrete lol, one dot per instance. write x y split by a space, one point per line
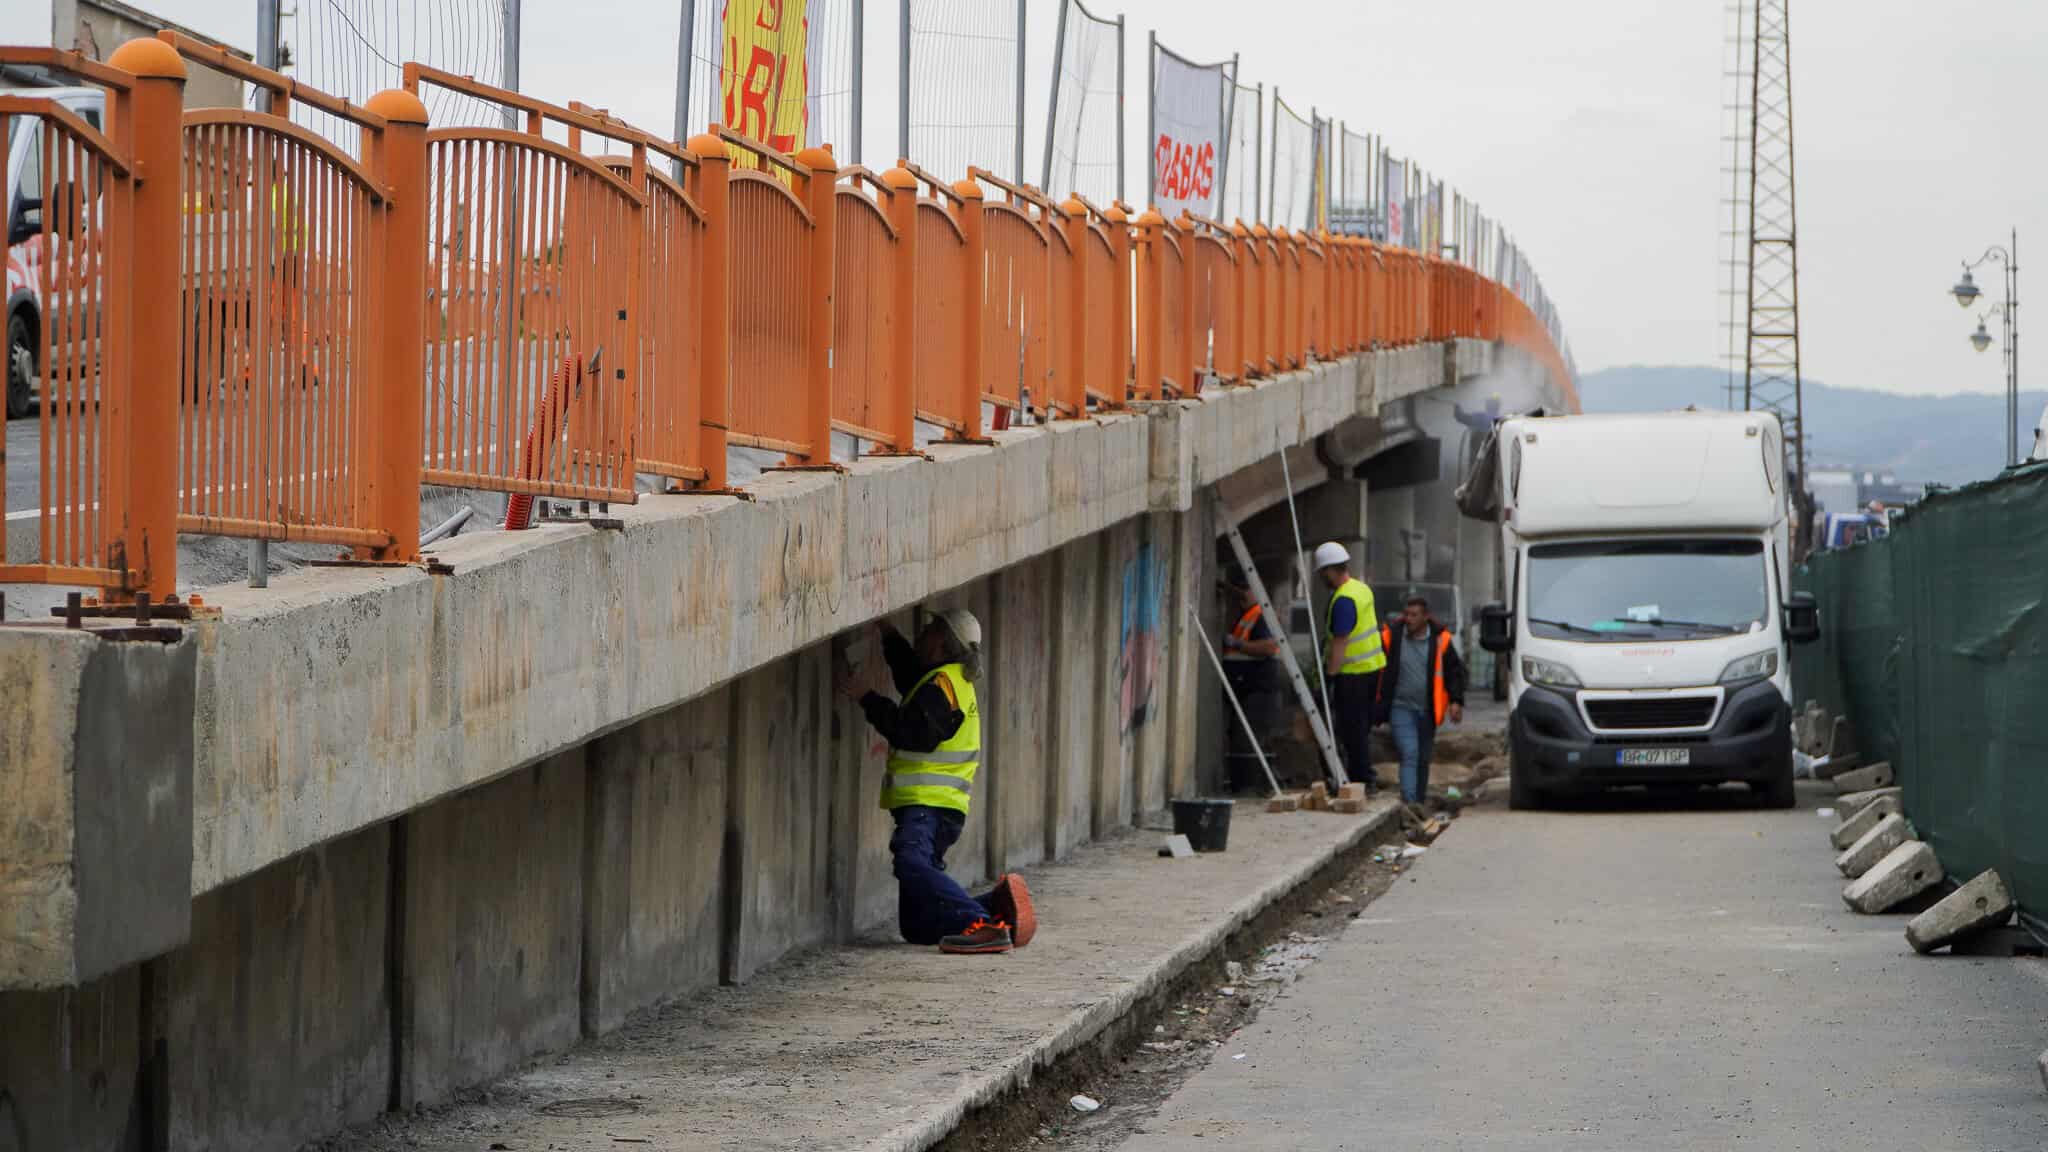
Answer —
1137 660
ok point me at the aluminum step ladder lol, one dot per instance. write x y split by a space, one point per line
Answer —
1331 760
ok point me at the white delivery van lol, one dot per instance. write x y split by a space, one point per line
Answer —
26 259
1649 562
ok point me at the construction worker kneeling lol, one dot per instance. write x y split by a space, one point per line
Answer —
934 736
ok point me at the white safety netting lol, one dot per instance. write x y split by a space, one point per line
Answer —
1292 172
355 49
1242 192
961 83
1082 155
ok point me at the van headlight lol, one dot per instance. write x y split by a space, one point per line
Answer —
1751 667
1548 673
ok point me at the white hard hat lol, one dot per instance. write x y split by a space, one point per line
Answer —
1330 555
965 627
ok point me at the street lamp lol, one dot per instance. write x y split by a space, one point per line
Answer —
1966 294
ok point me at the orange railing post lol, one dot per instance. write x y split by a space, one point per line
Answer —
1151 267
1122 333
901 424
1073 393
147 415
820 188
1185 363
973 293
395 424
714 305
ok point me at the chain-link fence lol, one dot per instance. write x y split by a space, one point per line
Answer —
1291 174
1243 154
1084 138
357 48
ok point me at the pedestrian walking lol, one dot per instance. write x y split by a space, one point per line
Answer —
1352 661
1423 686
934 735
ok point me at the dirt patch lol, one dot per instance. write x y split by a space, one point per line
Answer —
1141 1060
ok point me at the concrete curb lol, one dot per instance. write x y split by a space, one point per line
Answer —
1087 1023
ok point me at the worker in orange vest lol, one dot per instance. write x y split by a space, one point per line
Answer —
1251 655
1423 685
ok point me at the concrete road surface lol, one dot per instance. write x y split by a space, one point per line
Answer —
1629 979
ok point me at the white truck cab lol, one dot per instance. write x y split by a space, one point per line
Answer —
1649 562
23 205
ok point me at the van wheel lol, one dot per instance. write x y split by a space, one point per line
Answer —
21 364
1523 795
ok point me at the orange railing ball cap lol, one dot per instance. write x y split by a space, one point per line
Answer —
1115 214
1238 229
1260 231
899 178
968 189
398 106
1151 219
150 58
818 160
707 146
1073 209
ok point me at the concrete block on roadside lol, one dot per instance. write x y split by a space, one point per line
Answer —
1318 798
1840 738
1904 873
1352 791
1849 804
1984 902
1284 804
1878 775
1851 830
1349 805
1829 767
1874 845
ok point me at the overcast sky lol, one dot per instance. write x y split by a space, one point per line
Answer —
1591 128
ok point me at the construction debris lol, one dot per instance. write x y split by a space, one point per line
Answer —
1833 767
2044 1071
1348 805
1177 846
1983 903
1284 803
1904 873
1872 846
1318 798
1854 802
1352 791
1085 1103
1852 829
1878 775
1430 830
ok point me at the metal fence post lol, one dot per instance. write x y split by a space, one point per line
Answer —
1019 169
901 424
820 196
974 257
714 306
1121 193
860 76
1052 110
399 450
903 85
145 403
1151 118
1151 263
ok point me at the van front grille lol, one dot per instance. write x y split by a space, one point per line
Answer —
1651 713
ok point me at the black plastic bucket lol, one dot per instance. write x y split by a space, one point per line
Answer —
1206 823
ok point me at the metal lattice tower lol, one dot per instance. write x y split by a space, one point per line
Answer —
1735 203
1771 362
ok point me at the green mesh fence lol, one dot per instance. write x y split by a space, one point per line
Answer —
1934 643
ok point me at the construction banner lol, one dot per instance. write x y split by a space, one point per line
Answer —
764 80
1396 174
1189 103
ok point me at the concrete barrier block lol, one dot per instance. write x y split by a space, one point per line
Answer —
1860 857
1849 804
1841 739
1984 902
1852 829
1878 775
1284 804
1904 873
1831 767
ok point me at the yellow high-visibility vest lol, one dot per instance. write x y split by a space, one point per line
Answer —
943 777
1363 651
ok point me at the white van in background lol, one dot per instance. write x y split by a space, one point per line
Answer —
1649 563
25 256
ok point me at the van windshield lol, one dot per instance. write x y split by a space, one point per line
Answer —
1633 590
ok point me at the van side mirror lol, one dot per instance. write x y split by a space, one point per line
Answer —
1496 628
1802 618
28 220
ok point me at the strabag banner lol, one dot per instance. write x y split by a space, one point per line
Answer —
1187 121
764 74
1396 172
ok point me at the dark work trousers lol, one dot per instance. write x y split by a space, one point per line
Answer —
929 905
1352 701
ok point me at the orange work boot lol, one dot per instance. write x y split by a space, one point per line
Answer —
1012 902
981 939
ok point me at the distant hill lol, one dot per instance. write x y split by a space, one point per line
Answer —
1921 439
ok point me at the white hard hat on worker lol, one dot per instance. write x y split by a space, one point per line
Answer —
1331 555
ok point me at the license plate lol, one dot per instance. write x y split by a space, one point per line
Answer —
1654 757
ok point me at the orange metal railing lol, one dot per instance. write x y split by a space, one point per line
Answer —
532 360
285 242
499 309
